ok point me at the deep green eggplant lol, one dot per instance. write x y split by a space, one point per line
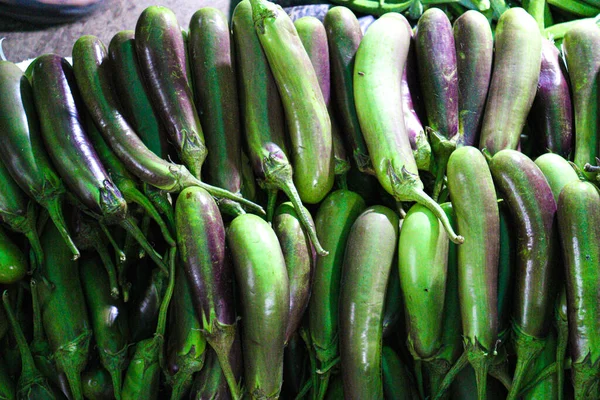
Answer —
333 221
19 212
97 384
533 209
309 126
32 384
201 240
22 150
133 94
474 51
13 263
216 98
380 61
300 260
397 384
474 201
63 310
370 250
314 39
210 382
263 118
344 36
552 110
516 70
262 282
583 64
58 104
109 321
166 77
579 231
436 60
393 312
143 373
144 309
186 344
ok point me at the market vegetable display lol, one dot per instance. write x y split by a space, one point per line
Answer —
437 236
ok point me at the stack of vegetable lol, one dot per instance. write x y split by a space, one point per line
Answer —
438 221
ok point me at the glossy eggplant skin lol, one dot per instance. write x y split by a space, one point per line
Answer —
370 250
166 76
474 52
552 109
583 63
216 98
58 105
300 260
533 211
579 227
263 286
344 36
22 150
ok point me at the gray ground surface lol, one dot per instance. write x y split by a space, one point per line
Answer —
24 41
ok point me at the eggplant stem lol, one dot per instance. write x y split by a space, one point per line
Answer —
481 365
458 366
561 350
145 228
120 254
225 194
129 225
305 335
71 359
54 207
133 194
419 377
109 266
527 349
29 372
323 384
271 203
161 202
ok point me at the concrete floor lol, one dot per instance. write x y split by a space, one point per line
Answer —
24 41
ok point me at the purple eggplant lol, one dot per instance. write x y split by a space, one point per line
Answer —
552 110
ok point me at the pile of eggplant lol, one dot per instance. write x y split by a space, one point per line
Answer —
304 209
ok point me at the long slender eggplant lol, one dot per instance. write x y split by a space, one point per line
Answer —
133 97
422 262
583 64
309 126
333 221
75 159
344 36
263 118
579 231
262 282
516 71
22 150
552 108
18 211
533 209
215 90
314 39
186 345
64 314
201 240
296 361
378 95
92 69
144 309
143 373
474 202
370 250
436 58
166 77
393 312
397 384
109 321
13 263
300 260
32 384
474 52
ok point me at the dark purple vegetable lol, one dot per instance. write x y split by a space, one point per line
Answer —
552 111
